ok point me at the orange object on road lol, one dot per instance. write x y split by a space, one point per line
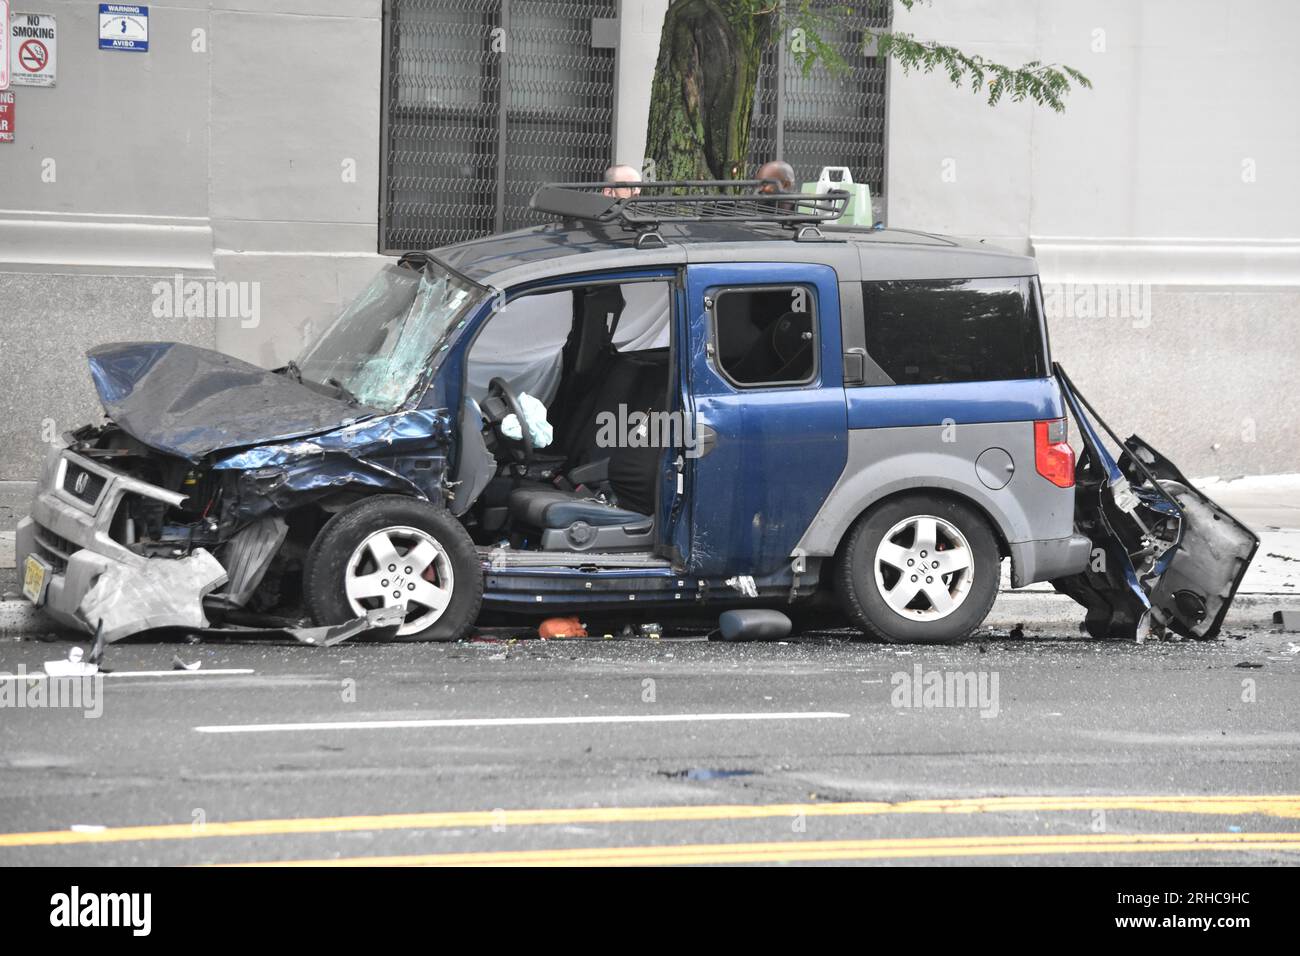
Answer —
561 627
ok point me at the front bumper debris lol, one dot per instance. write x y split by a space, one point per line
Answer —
379 624
95 584
166 592
93 577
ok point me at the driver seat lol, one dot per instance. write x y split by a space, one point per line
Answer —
576 521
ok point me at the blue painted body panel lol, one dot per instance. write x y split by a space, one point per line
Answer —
780 449
671 513
1114 476
964 403
190 402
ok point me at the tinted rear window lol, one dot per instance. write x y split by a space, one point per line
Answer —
953 330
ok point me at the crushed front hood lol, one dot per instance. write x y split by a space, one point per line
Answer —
189 401
1165 556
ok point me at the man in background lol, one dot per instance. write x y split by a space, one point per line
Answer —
621 173
782 172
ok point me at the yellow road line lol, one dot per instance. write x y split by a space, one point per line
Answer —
811 851
1284 806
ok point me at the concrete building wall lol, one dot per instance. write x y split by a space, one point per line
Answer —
1172 179
244 146
640 23
1185 93
253 156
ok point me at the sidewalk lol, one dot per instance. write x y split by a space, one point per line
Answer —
1269 504
15 496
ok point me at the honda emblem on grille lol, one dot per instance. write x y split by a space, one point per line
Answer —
79 486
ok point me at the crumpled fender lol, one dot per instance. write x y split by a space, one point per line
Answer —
404 453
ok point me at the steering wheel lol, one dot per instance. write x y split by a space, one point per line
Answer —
521 448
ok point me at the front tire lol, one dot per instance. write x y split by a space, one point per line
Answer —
391 550
920 569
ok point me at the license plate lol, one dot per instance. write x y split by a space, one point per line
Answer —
36 576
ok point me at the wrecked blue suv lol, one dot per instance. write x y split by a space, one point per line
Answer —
693 397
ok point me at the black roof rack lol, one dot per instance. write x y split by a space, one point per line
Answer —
708 200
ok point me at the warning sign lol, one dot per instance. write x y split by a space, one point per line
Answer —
31 49
6 116
4 46
123 26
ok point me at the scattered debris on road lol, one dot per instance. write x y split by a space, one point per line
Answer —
378 624
73 666
1288 618
758 624
554 627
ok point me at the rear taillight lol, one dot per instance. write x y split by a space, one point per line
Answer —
1053 456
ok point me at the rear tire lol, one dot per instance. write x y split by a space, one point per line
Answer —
920 569
392 550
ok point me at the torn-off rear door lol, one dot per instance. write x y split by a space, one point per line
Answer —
1165 556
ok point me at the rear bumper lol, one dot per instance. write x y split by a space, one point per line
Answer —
1045 560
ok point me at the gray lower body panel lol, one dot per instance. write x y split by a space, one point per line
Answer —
1034 561
1034 517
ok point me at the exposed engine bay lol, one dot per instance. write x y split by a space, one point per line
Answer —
149 526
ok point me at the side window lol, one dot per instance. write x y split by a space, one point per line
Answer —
953 330
766 336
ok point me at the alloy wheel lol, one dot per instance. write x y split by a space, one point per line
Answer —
400 567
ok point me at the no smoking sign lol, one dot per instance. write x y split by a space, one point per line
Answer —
32 56
31 49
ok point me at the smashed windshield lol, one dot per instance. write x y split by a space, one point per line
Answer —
375 351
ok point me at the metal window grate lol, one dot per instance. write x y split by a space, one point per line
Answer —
456 166
826 119
763 138
561 115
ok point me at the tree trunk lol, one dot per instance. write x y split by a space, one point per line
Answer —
702 99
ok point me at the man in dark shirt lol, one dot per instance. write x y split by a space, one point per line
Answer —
782 172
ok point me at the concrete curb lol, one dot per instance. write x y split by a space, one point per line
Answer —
1037 609
1034 609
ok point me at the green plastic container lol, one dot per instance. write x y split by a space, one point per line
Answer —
858 211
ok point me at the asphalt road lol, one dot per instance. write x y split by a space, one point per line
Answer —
664 751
